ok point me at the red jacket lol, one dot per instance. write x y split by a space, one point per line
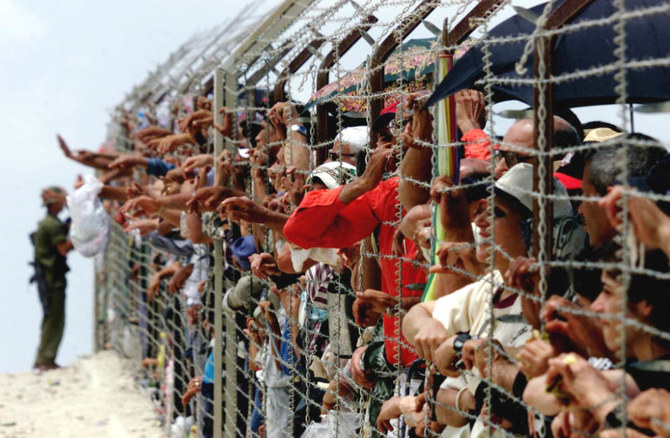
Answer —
323 220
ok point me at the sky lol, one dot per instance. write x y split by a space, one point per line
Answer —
65 65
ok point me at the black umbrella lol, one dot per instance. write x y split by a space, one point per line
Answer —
586 48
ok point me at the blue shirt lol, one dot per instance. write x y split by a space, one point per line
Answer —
158 167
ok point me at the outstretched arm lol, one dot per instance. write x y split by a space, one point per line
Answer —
326 218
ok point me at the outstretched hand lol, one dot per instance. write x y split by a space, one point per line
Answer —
145 226
243 209
142 205
470 110
197 161
263 265
63 146
207 198
127 161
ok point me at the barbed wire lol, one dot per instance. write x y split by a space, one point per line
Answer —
293 332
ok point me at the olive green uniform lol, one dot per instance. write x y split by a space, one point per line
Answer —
52 268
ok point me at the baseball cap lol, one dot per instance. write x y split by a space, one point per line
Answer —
569 182
598 135
333 174
355 136
385 117
518 183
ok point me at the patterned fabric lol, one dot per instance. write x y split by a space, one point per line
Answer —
212 226
318 277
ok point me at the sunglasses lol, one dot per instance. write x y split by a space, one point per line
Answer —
511 158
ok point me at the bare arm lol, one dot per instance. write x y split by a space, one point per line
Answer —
536 396
445 408
296 152
177 201
87 158
64 247
285 264
275 333
416 318
172 216
245 209
164 227
116 193
371 272
416 164
194 226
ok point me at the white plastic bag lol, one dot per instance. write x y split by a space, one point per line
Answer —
336 424
90 222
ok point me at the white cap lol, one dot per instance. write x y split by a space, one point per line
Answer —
356 136
600 135
333 173
518 183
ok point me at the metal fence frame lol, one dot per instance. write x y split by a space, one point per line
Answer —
225 85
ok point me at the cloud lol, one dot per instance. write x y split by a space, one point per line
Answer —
18 24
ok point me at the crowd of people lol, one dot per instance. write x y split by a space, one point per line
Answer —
326 257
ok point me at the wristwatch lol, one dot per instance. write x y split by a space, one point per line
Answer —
460 341
298 128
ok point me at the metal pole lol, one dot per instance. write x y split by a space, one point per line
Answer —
218 276
231 391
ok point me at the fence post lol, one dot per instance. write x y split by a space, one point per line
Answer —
229 99
218 275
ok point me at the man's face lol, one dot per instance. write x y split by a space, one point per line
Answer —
609 304
596 224
506 229
57 207
318 185
342 151
262 137
277 170
517 138
268 135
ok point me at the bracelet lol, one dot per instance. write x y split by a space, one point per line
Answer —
519 385
458 397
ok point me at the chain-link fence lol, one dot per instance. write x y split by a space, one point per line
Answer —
386 218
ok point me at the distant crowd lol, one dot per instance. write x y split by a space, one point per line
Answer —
341 306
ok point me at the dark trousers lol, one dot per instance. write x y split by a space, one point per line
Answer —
53 324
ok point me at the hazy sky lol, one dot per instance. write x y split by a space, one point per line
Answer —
64 66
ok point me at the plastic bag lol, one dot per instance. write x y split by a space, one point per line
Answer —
90 222
336 424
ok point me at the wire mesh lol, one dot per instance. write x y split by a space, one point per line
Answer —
366 290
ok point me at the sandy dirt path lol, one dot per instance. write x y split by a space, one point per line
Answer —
94 397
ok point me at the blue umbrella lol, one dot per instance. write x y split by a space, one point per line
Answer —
589 47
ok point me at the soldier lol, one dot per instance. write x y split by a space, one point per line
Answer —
51 247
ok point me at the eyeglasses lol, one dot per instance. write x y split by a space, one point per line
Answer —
511 158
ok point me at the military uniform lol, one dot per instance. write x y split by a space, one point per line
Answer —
50 269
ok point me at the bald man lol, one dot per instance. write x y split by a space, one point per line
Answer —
518 144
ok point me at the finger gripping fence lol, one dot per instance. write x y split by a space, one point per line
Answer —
386 218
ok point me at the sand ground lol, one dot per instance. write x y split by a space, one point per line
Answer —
94 397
